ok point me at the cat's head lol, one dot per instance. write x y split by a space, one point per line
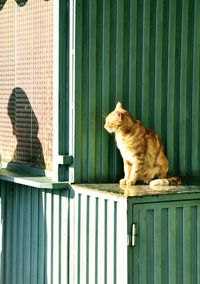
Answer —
115 119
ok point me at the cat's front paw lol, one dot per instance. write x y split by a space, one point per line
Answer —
123 181
130 182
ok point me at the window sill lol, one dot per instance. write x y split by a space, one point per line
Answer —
22 177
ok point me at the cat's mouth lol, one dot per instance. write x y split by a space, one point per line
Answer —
107 128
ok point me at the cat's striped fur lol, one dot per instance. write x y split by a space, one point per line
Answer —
141 149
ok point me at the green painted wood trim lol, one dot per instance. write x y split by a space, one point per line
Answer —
30 179
63 108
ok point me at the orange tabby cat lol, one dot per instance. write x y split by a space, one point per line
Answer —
141 149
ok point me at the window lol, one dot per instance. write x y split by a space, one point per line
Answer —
31 109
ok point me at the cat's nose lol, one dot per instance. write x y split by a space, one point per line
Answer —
106 127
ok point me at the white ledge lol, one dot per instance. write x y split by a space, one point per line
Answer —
32 180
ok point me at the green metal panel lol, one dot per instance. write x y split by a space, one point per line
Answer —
146 54
63 111
79 235
167 243
98 237
62 237
35 228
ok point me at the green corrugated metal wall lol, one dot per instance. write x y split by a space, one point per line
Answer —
98 234
146 54
61 237
79 236
35 230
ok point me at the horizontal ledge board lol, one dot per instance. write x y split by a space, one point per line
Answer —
137 191
28 179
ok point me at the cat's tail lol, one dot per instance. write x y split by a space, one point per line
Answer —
166 181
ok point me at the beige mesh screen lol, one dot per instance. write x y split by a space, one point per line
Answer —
26 82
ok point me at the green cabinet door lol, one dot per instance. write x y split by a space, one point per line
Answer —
167 243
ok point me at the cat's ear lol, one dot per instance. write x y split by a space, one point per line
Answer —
118 106
119 115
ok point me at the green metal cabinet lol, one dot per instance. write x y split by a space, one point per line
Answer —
99 234
137 236
167 242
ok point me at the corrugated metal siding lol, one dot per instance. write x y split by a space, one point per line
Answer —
35 232
98 239
79 236
62 237
168 243
146 54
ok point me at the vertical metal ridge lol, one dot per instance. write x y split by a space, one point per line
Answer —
195 99
119 50
101 241
96 240
165 245
186 245
184 118
158 244
15 220
78 239
113 77
85 90
79 34
152 63
7 236
149 248
115 243
132 59
55 245
34 234
92 96
198 244
126 52
139 59
105 261
172 246
99 97
194 245
179 241
145 62
118 29
27 236
41 237
171 82
105 85
190 73
159 53
165 69
89 238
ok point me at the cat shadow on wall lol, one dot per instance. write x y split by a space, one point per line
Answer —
20 3
25 126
